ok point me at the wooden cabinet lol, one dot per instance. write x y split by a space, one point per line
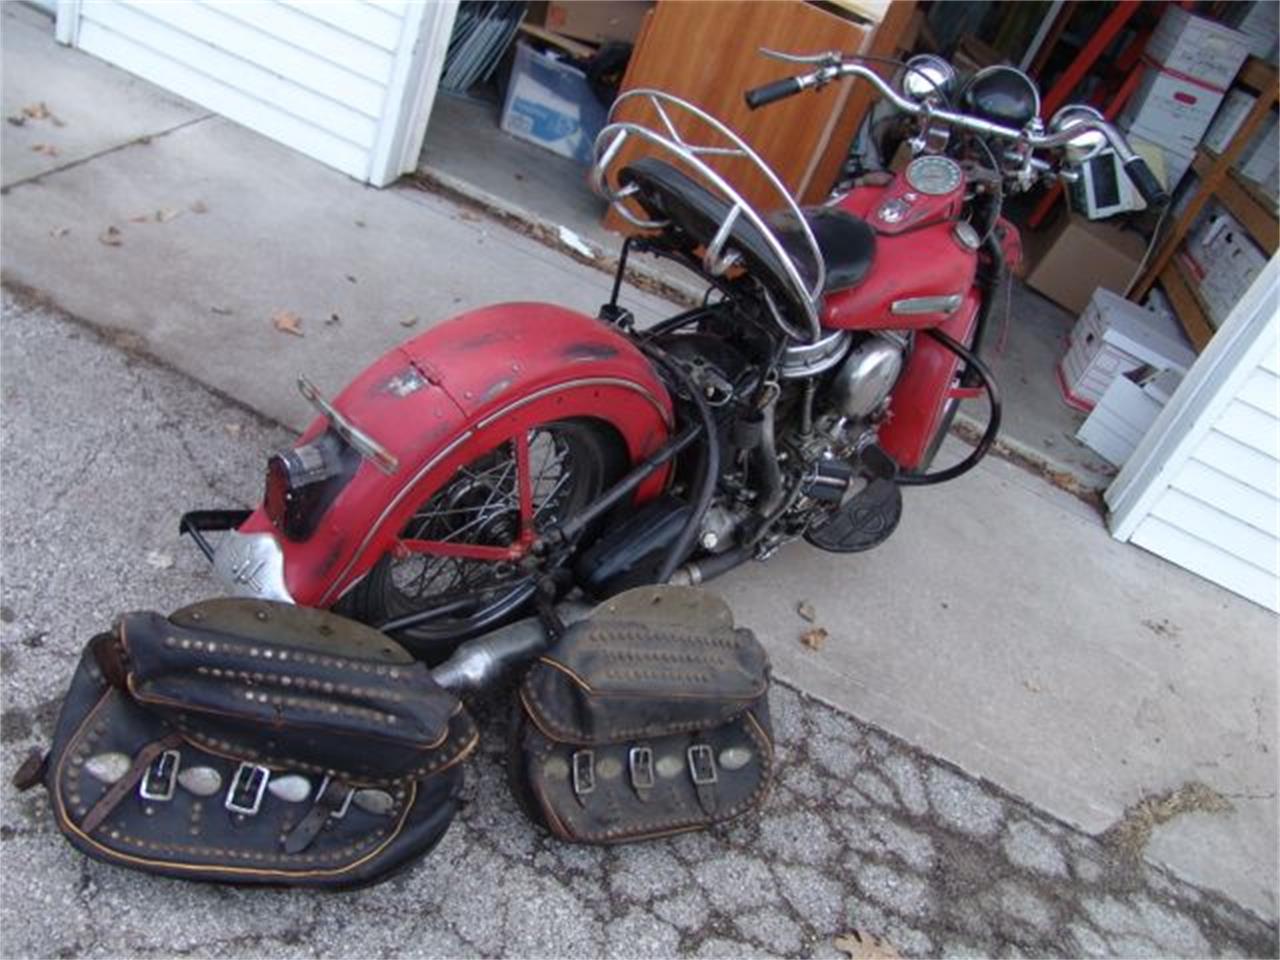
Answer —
708 53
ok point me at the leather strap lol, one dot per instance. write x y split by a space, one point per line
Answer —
33 769
120 789
328 803
110 657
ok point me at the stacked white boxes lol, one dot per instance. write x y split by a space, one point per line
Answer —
1191 63
1223 258
1114 337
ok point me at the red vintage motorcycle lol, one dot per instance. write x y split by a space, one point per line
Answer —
522 451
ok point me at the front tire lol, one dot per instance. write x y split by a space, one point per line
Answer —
499 499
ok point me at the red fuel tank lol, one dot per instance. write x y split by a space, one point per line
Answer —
920 252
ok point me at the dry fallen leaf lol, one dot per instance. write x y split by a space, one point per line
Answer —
199 207
37 111
864 946
286 321
805 609
159 559
409 321
815 638
111 236
58 232
166 214
46 149
233 428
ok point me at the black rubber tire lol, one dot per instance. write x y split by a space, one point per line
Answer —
598 460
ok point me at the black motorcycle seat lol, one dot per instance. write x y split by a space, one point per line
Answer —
847 243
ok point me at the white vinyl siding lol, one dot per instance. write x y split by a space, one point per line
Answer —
331 79
1209 500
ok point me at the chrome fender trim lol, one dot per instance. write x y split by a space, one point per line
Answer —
251 565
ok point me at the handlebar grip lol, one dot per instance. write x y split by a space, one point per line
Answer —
772 92
1146 182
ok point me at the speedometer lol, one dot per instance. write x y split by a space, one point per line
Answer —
933 176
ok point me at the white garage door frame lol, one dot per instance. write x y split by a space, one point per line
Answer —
277 97
1244 351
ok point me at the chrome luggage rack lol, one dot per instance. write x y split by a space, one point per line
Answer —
716 259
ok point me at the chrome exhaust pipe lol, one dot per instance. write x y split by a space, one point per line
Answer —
482 661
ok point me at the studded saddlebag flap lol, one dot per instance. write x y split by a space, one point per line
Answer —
251 742
649 718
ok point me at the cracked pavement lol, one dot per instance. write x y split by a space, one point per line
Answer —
102 449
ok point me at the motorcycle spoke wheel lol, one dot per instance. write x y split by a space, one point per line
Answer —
458 558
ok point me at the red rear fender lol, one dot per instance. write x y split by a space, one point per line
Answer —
456 391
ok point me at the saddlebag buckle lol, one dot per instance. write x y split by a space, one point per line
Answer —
247 787
640 760
584 772
161 777
702 764
342 809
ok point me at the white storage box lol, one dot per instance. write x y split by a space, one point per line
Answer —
551 104
1112 338
1224 260
1228 119
1260 161
1197 48
1125 414
1170 110
1260 23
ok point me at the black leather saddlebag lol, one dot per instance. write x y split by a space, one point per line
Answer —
649 718
251 742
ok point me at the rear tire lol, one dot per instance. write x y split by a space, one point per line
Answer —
570 463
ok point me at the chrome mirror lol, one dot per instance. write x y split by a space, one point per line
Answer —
926 77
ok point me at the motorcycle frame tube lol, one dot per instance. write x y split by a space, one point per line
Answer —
452 394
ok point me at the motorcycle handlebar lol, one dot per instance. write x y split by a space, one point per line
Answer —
1134 165
1146 182
772 92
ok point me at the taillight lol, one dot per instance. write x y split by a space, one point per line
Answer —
302 482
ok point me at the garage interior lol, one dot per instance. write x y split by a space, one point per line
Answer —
1095 53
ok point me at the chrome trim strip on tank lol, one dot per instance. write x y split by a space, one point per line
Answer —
913 306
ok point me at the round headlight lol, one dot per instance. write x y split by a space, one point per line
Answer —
927 77
1003 95
1086 146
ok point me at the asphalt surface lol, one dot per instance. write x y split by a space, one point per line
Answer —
103 448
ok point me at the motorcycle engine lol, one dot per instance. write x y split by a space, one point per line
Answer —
863 382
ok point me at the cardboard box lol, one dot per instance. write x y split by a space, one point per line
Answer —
1197 48
549 103
1170 110
1125 413
1228 119
597 20
1260 161
1224 260
1073 257
1114 337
